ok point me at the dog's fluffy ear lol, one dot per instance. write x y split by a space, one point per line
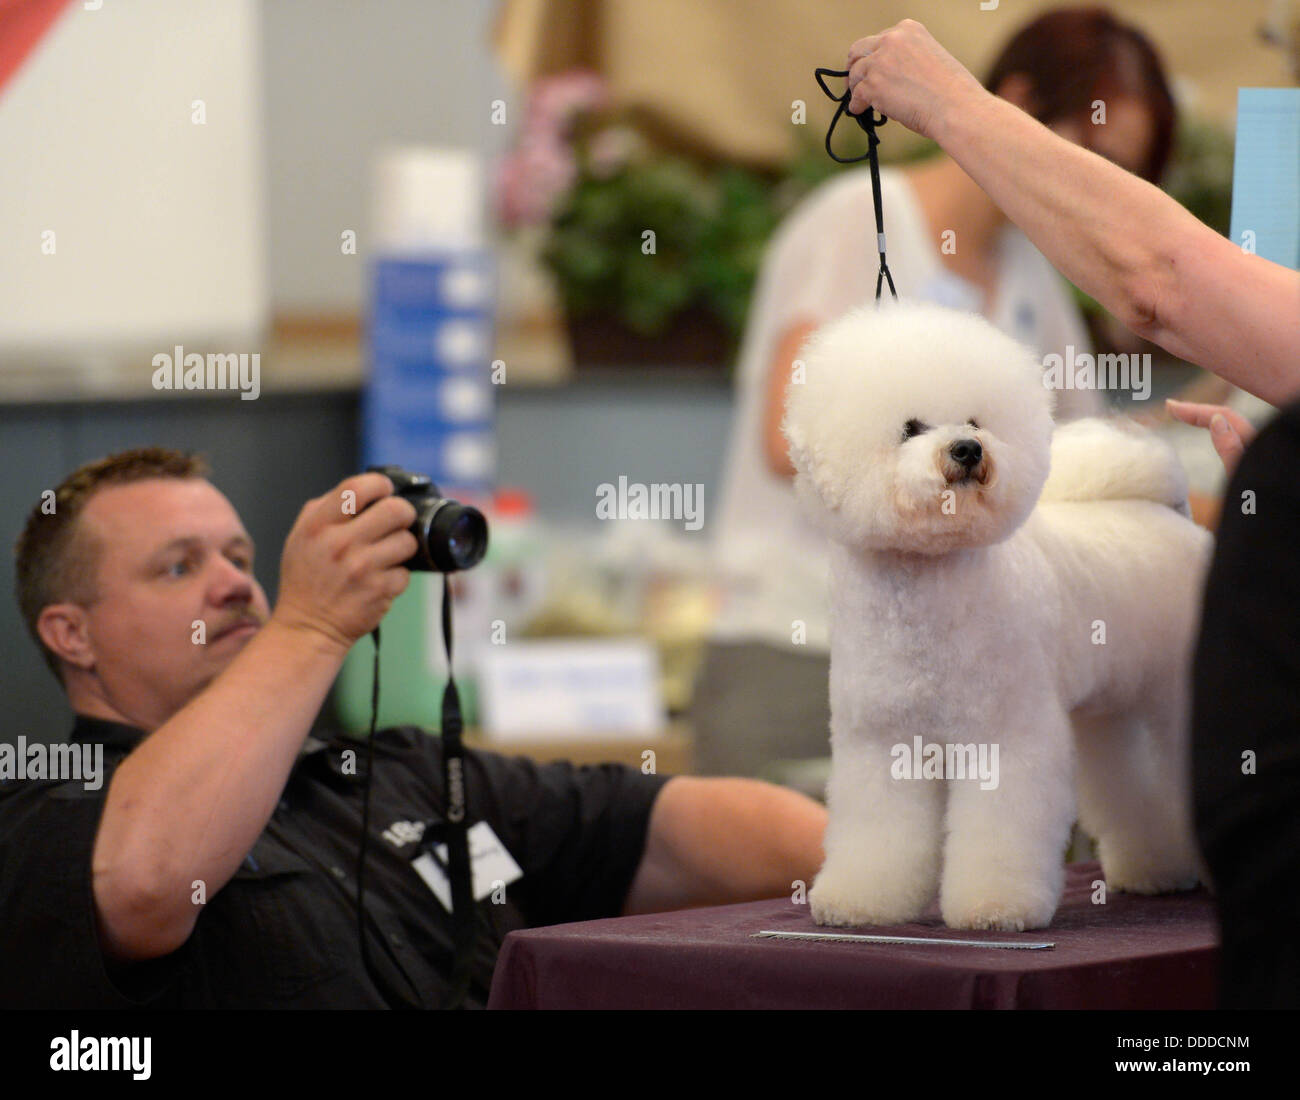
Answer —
794 438
804 458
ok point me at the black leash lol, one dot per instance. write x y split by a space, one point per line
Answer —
868 121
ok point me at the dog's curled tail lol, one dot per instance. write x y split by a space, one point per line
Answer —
1114 459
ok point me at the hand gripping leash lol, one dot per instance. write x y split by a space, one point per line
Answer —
868 120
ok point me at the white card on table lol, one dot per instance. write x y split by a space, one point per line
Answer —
570 689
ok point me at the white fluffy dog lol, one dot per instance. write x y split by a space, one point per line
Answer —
984 610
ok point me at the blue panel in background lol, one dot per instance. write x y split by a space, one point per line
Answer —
1266 173
429 403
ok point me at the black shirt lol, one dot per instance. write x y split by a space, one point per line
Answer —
1247 701
282 933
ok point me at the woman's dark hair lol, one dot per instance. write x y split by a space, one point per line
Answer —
1074 56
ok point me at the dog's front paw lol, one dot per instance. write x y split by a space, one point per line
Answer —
995 917
845 901
998 907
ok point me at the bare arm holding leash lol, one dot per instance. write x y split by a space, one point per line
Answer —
1149 261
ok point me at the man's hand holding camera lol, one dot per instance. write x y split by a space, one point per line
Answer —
342 563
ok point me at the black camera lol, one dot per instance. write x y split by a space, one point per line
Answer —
452 536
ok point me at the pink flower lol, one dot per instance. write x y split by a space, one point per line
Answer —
557 99
533 179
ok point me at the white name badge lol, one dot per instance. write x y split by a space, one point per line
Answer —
489 861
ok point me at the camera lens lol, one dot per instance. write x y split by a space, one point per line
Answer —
465 541
457 537
452 536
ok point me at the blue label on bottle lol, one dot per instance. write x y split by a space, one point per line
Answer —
429 403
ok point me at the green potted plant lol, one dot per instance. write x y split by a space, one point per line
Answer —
654 256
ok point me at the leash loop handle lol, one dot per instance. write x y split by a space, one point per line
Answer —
867 122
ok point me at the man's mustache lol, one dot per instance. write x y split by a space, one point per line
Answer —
248 617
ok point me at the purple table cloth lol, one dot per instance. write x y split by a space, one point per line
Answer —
1131 952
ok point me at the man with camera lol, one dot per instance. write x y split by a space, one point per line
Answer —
215 865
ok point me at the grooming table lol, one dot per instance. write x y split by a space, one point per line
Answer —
1131 952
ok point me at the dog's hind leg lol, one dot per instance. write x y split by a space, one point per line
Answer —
1134 798
882 841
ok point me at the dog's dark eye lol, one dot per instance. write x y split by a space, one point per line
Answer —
913 427
972 423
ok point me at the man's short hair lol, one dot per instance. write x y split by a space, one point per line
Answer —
55 560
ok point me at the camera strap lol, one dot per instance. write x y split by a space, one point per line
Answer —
452 831
455 830
868 121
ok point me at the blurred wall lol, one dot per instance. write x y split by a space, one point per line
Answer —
131 183
342 81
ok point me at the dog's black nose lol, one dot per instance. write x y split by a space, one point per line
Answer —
966 452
